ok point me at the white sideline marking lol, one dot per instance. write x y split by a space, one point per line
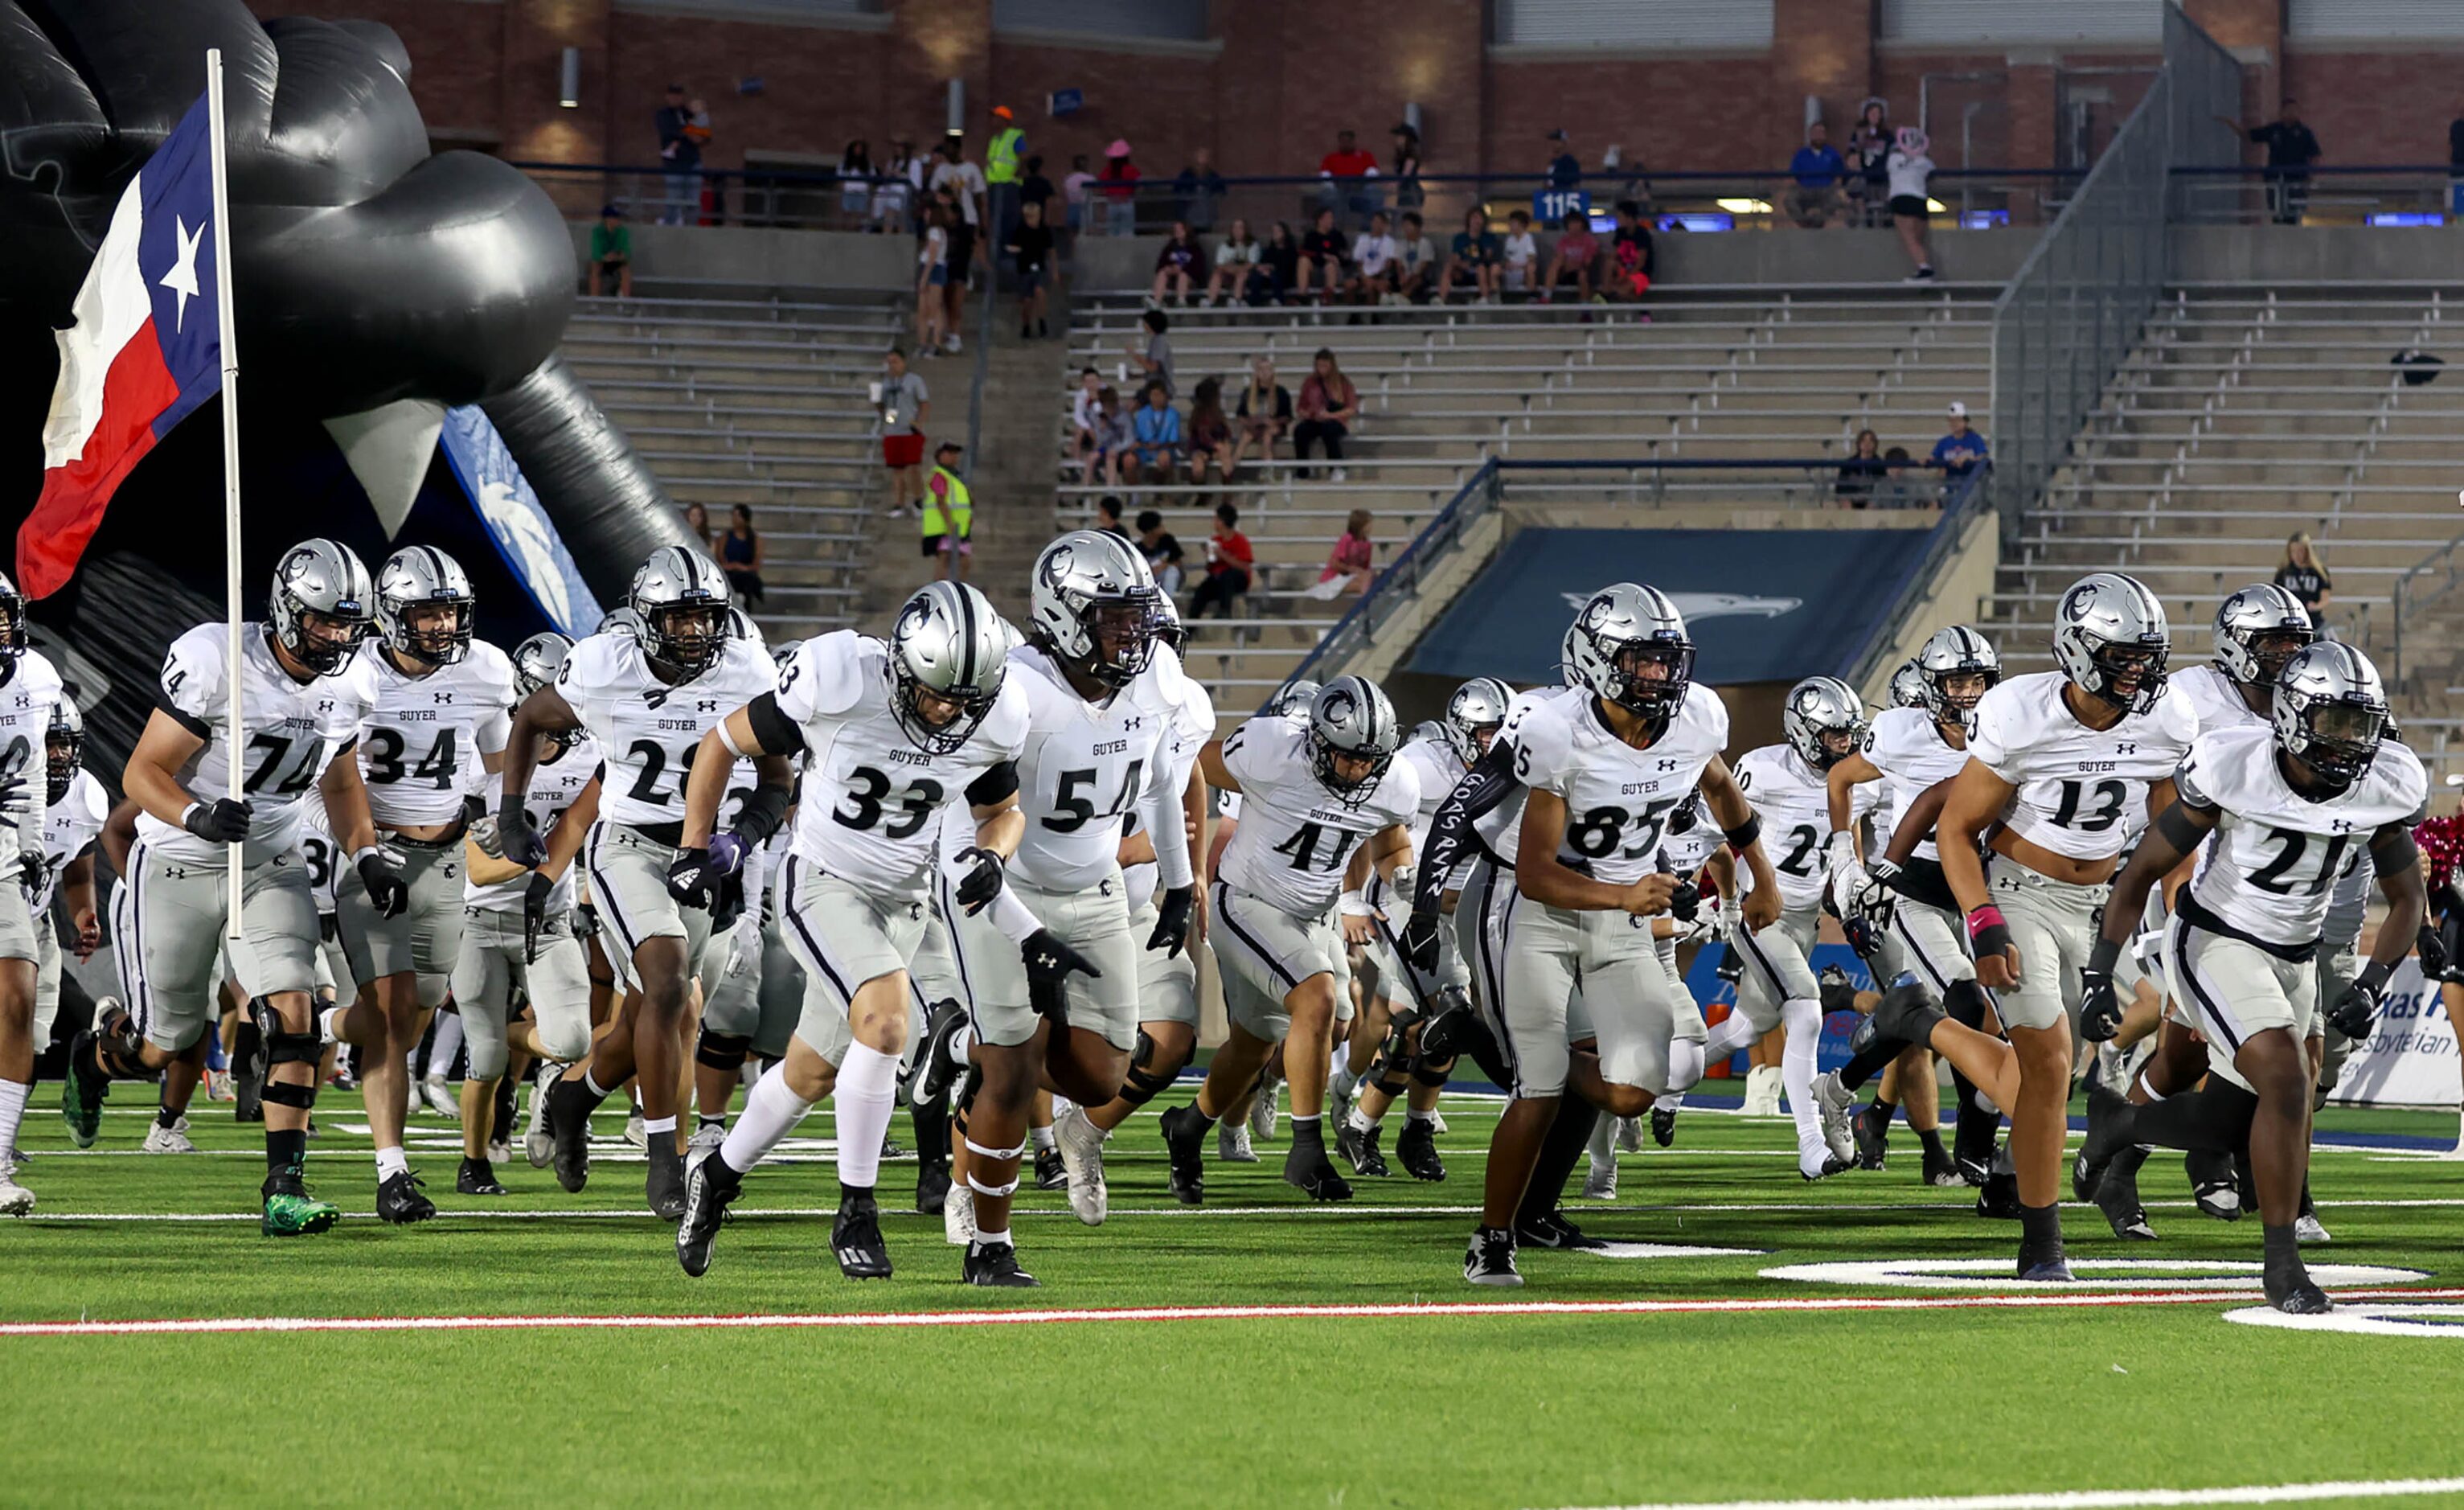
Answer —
2101 1499
2375 1319
193 1325
2142 1274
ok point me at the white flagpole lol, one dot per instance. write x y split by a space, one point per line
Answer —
237 747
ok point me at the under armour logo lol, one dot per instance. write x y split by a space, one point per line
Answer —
707 705
25 699
2343 825
1668 765
443 697
326 706
2126 748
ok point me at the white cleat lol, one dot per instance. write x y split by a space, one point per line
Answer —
15 1200
636 1134
1262 1114
1600 1185
1437 1125
1629 1134
1836 1105
704 1142
539 1146
1082 1153
959 1215
2308 1229
1232 1144
1762 1091
159 1139
439 1098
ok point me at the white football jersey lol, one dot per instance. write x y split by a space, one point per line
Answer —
289 732
2277 853
1618 798
1295 837
1686 854
1193 724
422 733
1908 748
1794 801
1086 766
1500 828
648 731
319 848
30 687
871 801
2214 698
2078 785
69 825
554 785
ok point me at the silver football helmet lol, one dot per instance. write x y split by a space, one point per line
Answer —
2259 630
1621 631
13 636
1169 628
64 749
740 626
322 605
1565 671
1477 709
2110 638
680 596
1351 717
2331 712
1430 731
1961 653
1907 687
947 644
538 659
1093 602
424 577
1292 697
621 621
780 652
1817 708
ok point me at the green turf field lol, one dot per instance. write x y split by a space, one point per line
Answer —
1944 1397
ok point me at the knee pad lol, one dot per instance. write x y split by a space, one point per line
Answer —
1143 1051
1433 1075
721 1051
1966 1003
292 1048
1143 1086
302 1097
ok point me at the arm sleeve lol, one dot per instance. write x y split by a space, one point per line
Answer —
1481 790
1159 809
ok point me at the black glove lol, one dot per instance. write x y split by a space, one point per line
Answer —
690 880
380 872
1685 902
1049 964
1418 941
983 882
29 876
2434 962
221 821
2099 1007
585 919
2353 1012
515 835
1172 919
535 895
727 903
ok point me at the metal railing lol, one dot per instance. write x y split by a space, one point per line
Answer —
2424 582
2401 194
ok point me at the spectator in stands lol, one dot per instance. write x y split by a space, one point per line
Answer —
1264 415
932 279
2456 163
1162 551
1198 187
679 159
1899 489
1347 172
739 556
1229 561
1910 168
1156 427
1322 258
964 182
1152 357
2291 149
1177 266
1209 433
1086 422
895 192
1119 184
904 404
1869 153
1373 264
2306 576
1565 170
1280 257
1004 156
697 520
1818 169
1329 405
611 253
1519 271
1073 190
1474 259
1117 437
1236 265
1409 196
1861 472
1108 517
948 515
1962 451
1631 255
1574 259
1036 190
1415 260
855 179
1030 253
1352 562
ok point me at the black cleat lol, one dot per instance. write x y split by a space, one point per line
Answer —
1664 1125
2304 1298
936 1071
1873 1133
2213 1184
568 1127
83 1091
248 1073
1906 1014
2084 1176
2110 1128
1416 1149
1184 1140
932 1188
1940 1170
995 1266
2056 1269
1552 1230
476 1177
710 1184
856 1238
399 1201
1308 1169
1050 1173
2117 1197
664 1186
1998 1199
1359 1150
1490 1258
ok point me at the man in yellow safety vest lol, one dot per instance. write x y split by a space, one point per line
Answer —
948 517
1002 171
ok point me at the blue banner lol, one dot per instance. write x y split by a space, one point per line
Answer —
1702 980
516 522
1551 206
1761 605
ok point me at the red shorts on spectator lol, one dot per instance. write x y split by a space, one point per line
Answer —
902 451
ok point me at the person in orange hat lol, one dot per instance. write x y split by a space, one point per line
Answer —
1003 168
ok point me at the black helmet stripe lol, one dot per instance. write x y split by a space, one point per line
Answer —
966 639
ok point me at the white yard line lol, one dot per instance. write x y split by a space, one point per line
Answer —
2100 1499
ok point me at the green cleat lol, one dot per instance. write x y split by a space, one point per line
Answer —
291 1211
82 1092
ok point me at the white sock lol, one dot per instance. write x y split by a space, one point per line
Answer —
446 1044
985 1239
1686 1064
1042 1137
590 1083
325 1024
1413 1115
1802 1021
1674 1100
771 1112
13 1110
391 1162
1727 1036
1603 1145
1360 1121
868 1085
655 1126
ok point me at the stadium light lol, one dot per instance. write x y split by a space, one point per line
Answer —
1745 207
569 80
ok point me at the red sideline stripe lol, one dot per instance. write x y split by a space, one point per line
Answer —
1164 1313
136 390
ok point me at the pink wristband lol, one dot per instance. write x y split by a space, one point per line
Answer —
1980 918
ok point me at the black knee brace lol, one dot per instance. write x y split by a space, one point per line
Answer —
291 1048
1143 1051
1431 1074
1143 1086
721 1051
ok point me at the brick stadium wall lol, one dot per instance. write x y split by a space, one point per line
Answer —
1270 93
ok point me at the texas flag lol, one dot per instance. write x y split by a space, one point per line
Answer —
145 350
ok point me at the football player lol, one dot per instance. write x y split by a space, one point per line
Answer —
25 717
